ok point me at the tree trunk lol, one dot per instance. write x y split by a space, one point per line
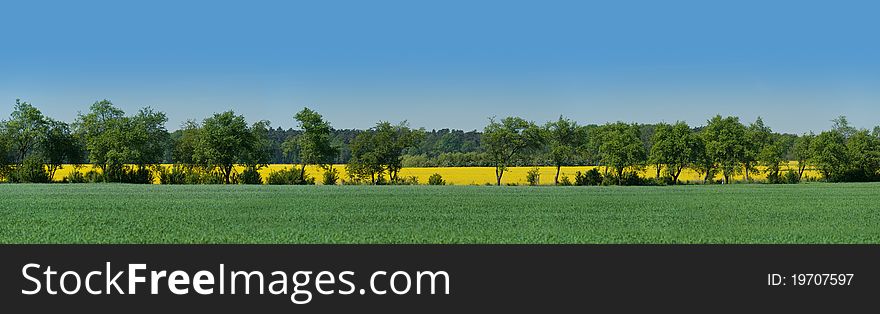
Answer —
658 171
558 167
675 176
498 174
747 172
302 174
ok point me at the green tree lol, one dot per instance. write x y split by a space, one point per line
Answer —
365 162
772 155
829 154
185 143
802 152
841 125
314 144
223 142
102 131
391 142
725 144
864 156
5 162
24 130
757 137
565 139
703 164
59 146
621 148
675 147
505 140
380 150
145 138
258 147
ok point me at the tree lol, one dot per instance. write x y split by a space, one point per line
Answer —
102 132
380 150
5 161
829 154
674 146
185 143
864 156
503 141
802 152
365 162
24 130
565 138
314 144
145 138
841 125
391 141
757 138
257 154
703 164
59 146
621 148
223 142
725 144
772 155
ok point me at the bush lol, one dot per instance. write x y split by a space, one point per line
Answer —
410 180
633 179
31 170
291 176
791 177
330 177
75 177
126 174
174 175
591 177
436 179
564 181
250 175
533 177
138 175
93 176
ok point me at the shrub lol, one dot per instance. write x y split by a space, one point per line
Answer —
250 175
591 177
138 175
533 177
174 175
436 179
330 177
633 179
289 177
410 180
31 170
93 176
565 181
791 177
75 177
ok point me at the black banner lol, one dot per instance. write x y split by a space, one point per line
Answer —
437 278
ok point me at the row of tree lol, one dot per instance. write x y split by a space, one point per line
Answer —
130 148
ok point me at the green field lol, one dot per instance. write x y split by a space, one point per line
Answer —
753 213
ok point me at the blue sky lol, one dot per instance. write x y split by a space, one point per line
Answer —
449 63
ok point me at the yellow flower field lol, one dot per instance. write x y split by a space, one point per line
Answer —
474 175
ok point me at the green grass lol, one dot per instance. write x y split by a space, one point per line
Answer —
103 213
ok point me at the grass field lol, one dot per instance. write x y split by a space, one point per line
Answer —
754 213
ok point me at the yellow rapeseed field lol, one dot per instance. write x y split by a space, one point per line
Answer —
473 175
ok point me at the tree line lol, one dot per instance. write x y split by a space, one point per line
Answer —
132 148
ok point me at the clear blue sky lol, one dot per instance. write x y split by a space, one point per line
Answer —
449 63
